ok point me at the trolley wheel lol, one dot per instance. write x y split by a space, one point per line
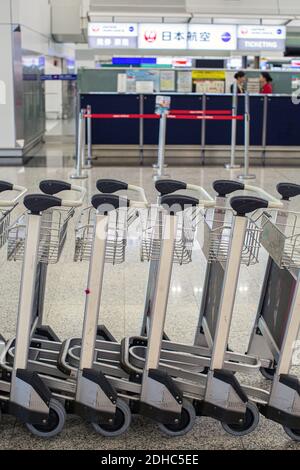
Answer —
292 433
250 423
54 424
268 373
185 423
120 423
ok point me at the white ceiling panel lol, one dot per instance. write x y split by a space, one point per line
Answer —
245 7
235 21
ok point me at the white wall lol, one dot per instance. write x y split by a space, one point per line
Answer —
34 18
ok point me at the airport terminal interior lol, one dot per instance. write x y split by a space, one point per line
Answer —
149 225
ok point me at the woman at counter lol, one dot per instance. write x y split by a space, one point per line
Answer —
240 78
266 83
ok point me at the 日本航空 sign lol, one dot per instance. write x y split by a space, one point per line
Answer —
259 37
162 36
182 36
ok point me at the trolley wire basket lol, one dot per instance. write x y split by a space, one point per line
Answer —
117 227
4 224
281 238
154 231
217 236
53 235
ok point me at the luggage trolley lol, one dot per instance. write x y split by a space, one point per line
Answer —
164 187
44 351
37 237
168 405
217 224
6 208
279 283
277 324
224 398
219 394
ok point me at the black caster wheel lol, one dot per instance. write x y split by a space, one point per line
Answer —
267 373
119 425
184 424
250 423
292 433
54 424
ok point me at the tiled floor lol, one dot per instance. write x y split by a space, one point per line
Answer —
122 309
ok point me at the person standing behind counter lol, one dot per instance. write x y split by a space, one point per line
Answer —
240 78
266 83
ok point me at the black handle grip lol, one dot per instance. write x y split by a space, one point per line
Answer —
109 186
246 204
108 202
224 187
5 186
169 186
37 203
177 203
288 190
54 186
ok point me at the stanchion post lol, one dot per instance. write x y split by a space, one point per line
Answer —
161 146
80 144
141 130
264 129
246 175
88 164
232 165
203 130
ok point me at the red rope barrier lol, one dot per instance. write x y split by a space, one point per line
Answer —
169 116
122 116
206 112
206 118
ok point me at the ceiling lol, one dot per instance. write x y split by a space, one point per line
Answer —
268 12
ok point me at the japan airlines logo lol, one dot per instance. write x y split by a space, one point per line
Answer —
244 31
95 29
150 36
226 37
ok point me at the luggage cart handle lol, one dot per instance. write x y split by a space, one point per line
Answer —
273 202
167 186
112 202
243 205
178 202
225 187
288 190
5 186
52 187
111 186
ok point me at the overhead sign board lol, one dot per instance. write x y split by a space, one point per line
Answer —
211 37
113 35
186 36
259 37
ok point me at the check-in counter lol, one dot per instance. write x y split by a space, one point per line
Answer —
274 128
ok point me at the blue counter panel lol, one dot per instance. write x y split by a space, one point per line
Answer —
282 128
151 127
114 131
283 122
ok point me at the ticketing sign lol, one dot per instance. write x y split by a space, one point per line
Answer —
259 37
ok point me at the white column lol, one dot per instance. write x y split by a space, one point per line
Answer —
11 106
7 128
